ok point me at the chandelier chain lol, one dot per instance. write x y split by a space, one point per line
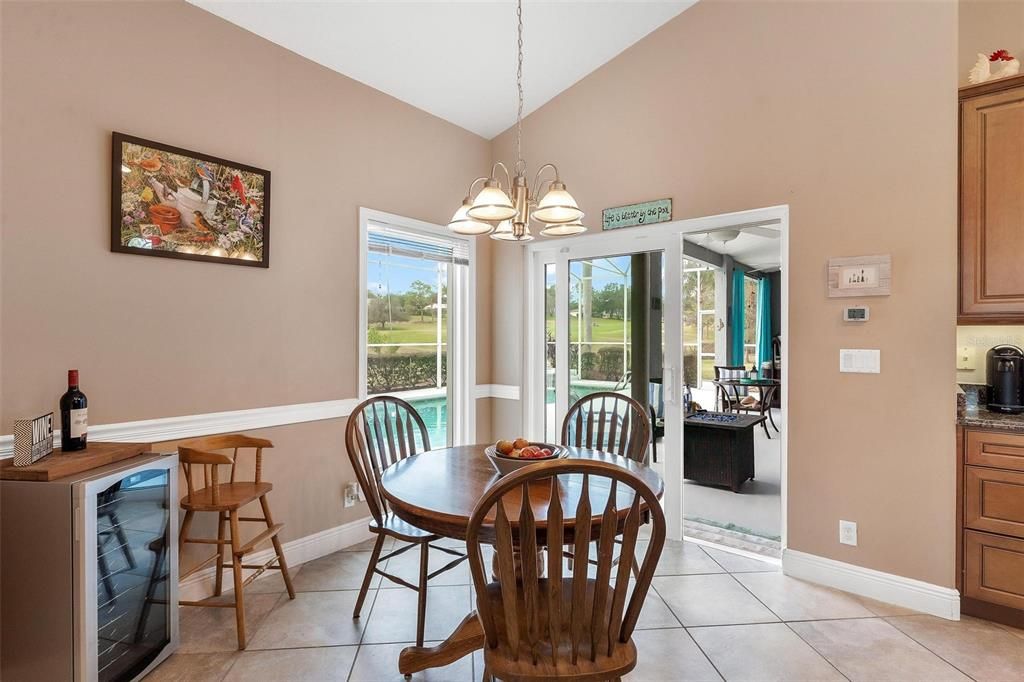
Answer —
520 164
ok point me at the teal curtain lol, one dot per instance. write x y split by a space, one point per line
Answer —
764 321
736 323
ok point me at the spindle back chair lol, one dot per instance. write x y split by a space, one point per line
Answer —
382 431
565 625
610 422
226 499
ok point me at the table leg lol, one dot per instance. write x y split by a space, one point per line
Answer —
467 638
770 400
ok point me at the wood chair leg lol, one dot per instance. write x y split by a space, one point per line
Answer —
277 548
236 561
222 519
378 545
186 525
421 611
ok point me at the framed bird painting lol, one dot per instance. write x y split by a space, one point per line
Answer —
176 203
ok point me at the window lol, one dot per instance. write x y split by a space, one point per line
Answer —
416 342
699 329
750 322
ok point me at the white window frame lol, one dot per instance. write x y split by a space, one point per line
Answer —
462 335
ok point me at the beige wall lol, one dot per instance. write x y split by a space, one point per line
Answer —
157 337
738 105
987 26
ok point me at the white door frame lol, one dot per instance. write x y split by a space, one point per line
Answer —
666 237
461 335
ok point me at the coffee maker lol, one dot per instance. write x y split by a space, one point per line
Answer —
1004 366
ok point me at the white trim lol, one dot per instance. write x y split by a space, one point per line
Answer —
936 600
200 585
503 391
191 426
195 425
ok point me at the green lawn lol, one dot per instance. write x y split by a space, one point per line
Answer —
611 330
412 331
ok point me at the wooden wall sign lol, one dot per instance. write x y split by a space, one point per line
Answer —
649 212
33 439
859 276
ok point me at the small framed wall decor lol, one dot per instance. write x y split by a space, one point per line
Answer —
859 276
176 203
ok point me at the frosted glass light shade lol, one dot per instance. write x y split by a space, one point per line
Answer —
461 223
504 233
557 206
563 229
492 204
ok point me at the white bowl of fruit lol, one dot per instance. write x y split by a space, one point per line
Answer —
509 455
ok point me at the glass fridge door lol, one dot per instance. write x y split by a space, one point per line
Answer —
133 574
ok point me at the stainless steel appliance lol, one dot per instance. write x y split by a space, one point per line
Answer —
90 573
1004 375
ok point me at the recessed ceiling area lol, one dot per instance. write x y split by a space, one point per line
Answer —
455 60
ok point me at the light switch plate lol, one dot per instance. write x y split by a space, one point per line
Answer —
848 533
860 361
965 358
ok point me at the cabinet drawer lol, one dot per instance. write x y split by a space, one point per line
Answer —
994 569
995 449
994 500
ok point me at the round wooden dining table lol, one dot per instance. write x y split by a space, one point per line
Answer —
438 490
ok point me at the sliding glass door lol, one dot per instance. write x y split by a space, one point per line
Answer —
606 319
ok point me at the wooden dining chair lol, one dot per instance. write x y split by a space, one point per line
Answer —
380 432
610 422
226 499
566 625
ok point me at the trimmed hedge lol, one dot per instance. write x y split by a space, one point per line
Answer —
389 373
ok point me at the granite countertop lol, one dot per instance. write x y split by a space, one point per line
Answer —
971 411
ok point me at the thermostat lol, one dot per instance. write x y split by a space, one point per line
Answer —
856 313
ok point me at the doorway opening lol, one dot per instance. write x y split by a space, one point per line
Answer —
686 314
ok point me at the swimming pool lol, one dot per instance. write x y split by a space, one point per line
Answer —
434 411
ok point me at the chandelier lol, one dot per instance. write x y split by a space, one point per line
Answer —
506 215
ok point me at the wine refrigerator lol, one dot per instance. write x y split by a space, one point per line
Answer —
89 577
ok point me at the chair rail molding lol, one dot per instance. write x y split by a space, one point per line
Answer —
195 425
918 595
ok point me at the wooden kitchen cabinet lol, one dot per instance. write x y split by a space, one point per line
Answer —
991 221
990 524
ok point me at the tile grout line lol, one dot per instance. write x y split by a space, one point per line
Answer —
929 649
787 625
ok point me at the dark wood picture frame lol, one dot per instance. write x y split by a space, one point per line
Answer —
117 215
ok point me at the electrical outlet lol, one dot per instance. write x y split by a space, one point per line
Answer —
848 533
352 495
965 358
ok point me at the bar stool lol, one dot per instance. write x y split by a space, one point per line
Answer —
226 499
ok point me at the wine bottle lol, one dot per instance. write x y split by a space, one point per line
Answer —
74 416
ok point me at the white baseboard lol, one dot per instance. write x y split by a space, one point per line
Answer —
200 585
936 600
505 391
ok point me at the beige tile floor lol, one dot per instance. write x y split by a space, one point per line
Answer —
710 615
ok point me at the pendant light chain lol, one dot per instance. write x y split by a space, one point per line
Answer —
507 216
520 164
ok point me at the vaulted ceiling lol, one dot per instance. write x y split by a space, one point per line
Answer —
455 60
